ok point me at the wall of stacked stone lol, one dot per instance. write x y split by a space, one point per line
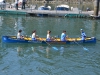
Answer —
57 1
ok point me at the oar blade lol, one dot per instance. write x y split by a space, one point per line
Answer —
55 48
85 48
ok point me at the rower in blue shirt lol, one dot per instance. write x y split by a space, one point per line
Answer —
63 36
83 35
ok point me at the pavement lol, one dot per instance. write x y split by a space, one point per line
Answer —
32 10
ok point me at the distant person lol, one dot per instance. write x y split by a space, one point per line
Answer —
63 36
87 9
10 5
83 35
16 2
34 35
19 36
71 8
4 1
23 4
3 5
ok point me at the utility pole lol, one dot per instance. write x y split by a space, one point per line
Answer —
96 8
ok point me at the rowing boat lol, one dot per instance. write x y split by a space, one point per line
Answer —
13 39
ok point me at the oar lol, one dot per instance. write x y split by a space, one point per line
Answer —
50 45
81 46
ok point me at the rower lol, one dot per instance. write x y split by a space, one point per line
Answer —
34 35
48 36
83 35
19 36
63 36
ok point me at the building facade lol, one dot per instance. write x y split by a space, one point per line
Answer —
55 1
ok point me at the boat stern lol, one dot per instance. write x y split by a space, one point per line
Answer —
91 40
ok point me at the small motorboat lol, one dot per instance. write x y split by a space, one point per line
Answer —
62 7
43 8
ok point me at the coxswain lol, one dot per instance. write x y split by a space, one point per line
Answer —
83 35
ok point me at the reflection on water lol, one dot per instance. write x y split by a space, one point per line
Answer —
47 52
56 25
1 19
30 58
35 51
19 50
94 27
44 51
25 51
61 50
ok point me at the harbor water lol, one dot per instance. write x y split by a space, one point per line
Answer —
31 59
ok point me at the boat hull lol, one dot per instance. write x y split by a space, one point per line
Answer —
62 8
10 39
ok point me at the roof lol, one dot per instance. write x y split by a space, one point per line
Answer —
63 5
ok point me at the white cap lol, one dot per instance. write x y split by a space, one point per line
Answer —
81 29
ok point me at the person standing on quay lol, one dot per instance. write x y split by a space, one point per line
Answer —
16 2
23 4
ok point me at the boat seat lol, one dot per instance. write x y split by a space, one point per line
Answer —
27 38
88 39
13 37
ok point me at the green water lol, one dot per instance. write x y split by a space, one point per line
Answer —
29 59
